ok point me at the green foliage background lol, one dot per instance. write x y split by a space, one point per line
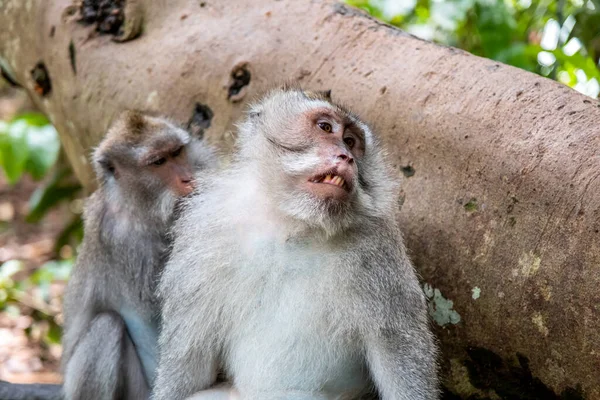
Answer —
559 39
29 144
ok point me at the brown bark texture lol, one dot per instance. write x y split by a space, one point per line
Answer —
501 168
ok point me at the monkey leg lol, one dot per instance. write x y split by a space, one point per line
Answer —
105 364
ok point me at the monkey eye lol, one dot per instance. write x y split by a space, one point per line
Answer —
350 142
177 152
160 161
325 126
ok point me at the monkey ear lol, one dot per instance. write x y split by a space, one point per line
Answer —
107 167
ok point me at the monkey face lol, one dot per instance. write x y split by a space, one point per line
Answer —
171 167
318 152
314 152
149 163
316 161
337 143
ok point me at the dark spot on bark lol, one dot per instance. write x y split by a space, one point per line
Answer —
511 206
454 50
512 221
408 171
383 90
202 4
466 136
560 107
108 15
488 371
240 78
537 84
40 76
72 57
519 93
200 120
587 102
572 112
52 31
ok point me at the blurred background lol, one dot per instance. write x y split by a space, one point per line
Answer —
41 202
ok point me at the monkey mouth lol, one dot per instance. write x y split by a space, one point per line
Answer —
331 178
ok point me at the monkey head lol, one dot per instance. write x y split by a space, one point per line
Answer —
148 161
318 161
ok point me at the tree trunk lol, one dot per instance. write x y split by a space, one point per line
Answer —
501 191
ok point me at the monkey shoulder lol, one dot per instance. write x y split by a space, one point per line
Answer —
383 277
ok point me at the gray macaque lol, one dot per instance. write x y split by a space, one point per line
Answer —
289 270
112 316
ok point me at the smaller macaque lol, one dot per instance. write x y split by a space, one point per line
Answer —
112 316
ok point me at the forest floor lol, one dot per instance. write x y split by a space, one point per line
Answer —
24 357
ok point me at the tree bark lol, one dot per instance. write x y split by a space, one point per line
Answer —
501 190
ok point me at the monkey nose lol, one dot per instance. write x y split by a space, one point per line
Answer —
186 187
345 157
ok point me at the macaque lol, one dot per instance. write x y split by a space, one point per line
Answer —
112 315
289 272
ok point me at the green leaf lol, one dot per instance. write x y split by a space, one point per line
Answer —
32 119
54 333
28 144
44 146
14 150
52 271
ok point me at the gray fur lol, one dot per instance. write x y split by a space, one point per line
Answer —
111 311
296 298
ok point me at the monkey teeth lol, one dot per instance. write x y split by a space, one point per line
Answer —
331 180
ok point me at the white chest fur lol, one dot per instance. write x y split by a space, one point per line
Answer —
285 335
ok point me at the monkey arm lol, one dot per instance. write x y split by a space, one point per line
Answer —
399 347
402 364
188 361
